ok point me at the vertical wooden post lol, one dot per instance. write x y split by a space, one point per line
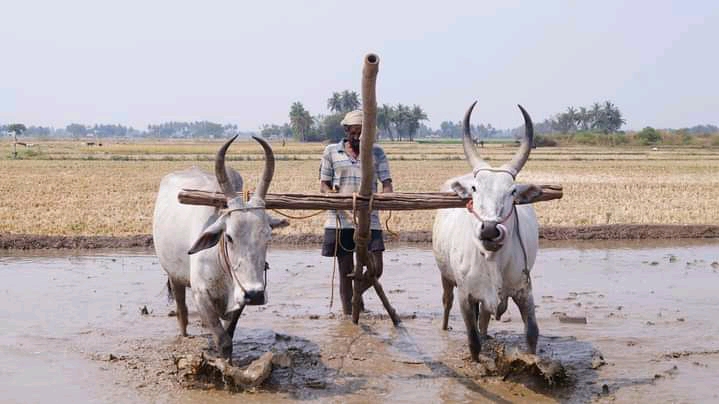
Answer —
362 281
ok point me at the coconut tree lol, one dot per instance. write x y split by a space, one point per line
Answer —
416 115
334 103
301 121
384 120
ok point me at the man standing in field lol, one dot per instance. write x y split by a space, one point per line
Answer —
340 171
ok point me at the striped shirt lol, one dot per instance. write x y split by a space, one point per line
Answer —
344 171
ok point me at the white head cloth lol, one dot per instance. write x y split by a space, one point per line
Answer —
353 118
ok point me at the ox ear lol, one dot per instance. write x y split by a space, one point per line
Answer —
461 189
527 193
276 223
210 237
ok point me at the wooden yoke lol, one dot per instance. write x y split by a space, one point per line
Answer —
364 280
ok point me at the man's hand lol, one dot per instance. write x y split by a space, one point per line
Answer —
387 186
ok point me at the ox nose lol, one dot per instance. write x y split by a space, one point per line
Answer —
488 230
254 297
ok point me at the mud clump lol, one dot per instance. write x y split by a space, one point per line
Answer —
263 360
505 361
199 371
528 368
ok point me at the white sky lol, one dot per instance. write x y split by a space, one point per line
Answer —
244 62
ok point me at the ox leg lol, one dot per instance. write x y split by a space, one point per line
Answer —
447 300
483 322
525 304
231 324
469 313
501 308
178 292
211 320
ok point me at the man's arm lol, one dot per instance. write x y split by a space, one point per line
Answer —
387 186
382 169
326 171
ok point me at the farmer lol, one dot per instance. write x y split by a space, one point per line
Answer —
340 171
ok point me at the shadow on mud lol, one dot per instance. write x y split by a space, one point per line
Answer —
568 373
303 375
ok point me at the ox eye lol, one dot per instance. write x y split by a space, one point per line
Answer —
514 192
474 189
229 238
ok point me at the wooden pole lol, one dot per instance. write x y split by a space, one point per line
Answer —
362 281
391 201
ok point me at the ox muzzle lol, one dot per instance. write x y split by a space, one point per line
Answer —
255 297
492 235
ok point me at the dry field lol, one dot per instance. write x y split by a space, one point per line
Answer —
69 188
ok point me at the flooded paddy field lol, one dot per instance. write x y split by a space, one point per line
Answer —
73 329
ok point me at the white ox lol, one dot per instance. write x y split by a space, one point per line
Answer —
488 249
219 253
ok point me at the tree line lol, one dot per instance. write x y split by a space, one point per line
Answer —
604 118
394 122
199 129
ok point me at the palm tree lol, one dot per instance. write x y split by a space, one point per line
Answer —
400 119
415 116
598 119
571 118
613 116
301 121
384 119
583 119
350 101
334 103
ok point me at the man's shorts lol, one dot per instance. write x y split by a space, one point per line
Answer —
347 243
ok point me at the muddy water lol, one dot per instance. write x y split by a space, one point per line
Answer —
71 330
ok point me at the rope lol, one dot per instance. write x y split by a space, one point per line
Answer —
224 258
521 243
334 262
297 217
386 225
354 208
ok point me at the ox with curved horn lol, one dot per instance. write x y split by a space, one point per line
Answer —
265 179
520 157
487 250
220 254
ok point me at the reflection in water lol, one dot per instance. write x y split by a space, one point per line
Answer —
649 308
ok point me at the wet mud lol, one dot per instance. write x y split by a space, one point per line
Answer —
94 326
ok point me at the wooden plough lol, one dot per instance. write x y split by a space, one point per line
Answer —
365 269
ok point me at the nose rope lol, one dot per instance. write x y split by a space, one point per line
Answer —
470 208
225 263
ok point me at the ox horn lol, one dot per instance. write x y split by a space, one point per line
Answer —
221 174
264 182
523 153
470 152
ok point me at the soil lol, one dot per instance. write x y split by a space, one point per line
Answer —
549 233
95 326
